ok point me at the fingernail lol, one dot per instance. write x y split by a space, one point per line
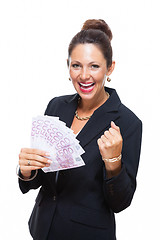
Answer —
49 161
47 154
113 123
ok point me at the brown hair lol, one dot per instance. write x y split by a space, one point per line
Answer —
95 32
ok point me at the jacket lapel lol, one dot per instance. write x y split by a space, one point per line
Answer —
67 113
100 120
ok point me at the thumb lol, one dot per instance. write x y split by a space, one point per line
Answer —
114 126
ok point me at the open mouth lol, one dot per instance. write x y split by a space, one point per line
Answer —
86 87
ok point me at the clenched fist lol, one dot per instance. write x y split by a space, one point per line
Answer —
110 146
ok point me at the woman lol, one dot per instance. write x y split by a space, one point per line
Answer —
81 202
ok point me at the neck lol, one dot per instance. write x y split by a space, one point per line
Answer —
93 104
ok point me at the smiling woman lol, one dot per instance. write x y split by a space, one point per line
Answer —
88 70
80 203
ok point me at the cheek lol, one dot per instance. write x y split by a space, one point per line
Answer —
73 75
100 78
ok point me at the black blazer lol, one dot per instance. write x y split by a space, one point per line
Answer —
81 205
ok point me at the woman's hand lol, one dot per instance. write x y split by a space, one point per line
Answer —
32 159
110 146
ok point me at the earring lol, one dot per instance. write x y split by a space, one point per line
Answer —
69 79
108 79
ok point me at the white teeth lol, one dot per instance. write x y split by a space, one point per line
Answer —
86 84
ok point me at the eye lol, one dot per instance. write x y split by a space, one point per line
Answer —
95 66
75 65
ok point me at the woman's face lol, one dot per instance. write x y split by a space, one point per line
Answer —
88 70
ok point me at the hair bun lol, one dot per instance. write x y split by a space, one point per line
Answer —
98 24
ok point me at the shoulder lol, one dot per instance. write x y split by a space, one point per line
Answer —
127 115
128 121
127 118
57 102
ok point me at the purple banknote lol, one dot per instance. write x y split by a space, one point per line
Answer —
53 136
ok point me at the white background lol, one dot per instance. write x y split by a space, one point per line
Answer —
34 37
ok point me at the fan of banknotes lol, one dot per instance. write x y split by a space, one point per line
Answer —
53 136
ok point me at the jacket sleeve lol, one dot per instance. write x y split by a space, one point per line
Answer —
25 186
120 189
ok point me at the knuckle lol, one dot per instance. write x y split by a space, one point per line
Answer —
20 160
120 140
100 146
43 160
33 150
103 146
102 138
113 142
21 156
108 144
106 132
42 153
21 169
35 164
46 160
111 130
31 156
22 150
36 157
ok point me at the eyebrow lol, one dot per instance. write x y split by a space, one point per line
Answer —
93 62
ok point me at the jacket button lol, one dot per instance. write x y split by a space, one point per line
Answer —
54 198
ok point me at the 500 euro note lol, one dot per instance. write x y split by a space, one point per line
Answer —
53 136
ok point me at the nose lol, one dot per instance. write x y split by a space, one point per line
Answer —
84 75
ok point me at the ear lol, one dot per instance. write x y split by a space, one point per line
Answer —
111 68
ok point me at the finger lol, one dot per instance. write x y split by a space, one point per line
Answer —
32 163
114 133
34 154
35 157
99 142
114 126
117 138
34 151
101 145
106 141
25 169
108 135
27 166
111 138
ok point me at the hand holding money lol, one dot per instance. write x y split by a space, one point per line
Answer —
54 147
32 159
